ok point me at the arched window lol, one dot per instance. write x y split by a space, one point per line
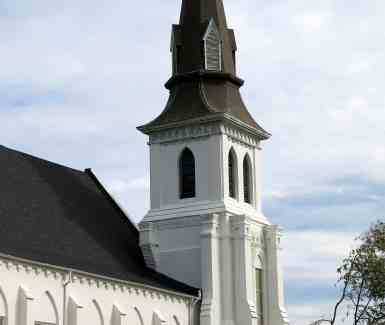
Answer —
233 174
259 293
247 182
187 174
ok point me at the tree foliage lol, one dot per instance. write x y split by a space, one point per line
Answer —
362 280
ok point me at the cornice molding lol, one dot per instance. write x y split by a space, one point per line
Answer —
32 268
192 132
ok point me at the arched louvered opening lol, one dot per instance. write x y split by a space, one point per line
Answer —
212 48
187 174
233 174
247 179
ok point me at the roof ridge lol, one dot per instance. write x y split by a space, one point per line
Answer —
40 159
103 190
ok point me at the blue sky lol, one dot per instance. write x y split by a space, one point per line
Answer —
77 77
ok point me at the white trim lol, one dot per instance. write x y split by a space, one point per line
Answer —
77 273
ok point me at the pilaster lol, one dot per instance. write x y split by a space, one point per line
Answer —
210 307
277 311
245 312
149 244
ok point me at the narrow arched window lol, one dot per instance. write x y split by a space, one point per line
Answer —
247 182
232 164
187 174
259 293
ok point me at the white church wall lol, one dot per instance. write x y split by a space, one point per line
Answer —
213 241
31 293
165 172
180 249
241 149
210 145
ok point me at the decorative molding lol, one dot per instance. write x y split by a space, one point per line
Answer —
196 131
182 222
11 263
184 133
31 269
239 136
210 225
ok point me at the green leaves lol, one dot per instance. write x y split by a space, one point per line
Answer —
362 276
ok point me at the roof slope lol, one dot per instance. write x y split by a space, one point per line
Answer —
64 217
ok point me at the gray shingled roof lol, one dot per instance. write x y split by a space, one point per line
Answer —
64 217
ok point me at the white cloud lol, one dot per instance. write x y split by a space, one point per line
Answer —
315 255
120 186
314 78
312 22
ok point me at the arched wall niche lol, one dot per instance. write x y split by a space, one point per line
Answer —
139 316
157 318
99 311
117 315
90 313
3 306
54 306
176 320
43 309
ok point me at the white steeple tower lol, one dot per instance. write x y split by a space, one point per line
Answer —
205 226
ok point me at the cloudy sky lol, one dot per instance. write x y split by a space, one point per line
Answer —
77 77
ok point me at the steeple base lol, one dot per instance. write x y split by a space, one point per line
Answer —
221 253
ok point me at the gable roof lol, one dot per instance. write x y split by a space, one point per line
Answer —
61 216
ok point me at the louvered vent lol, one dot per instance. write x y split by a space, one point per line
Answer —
213 52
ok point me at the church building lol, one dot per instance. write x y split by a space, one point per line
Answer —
204 254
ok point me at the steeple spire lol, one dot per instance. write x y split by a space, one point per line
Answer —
195 19
204 86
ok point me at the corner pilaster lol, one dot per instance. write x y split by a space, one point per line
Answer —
150 244
245 308
277 312
210 313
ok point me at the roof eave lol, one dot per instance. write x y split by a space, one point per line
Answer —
257 131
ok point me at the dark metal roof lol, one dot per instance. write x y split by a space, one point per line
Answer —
195 93
60 216
194 18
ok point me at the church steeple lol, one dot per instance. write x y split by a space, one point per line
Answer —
205 226
204 86
196 19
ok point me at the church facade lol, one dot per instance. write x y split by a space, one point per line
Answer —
204 253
